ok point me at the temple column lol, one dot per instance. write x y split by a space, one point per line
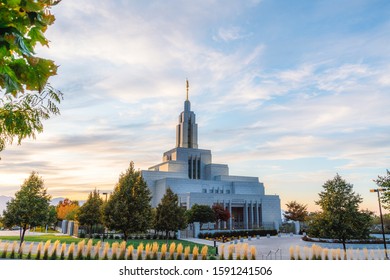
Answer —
257 214
245 215
224 222
231 215
251 214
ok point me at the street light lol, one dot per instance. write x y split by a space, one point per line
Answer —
380 212
104 230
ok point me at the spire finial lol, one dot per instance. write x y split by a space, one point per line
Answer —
187 87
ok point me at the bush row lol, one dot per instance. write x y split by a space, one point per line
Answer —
121 251
238 233
121 237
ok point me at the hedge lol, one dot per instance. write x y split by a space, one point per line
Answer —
237 233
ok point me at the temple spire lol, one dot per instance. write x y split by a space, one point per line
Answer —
187 88
187 129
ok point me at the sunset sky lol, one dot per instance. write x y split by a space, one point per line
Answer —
292 92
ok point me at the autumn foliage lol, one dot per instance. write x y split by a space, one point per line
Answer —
67 209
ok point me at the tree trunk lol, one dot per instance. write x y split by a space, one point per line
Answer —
345 249
167 235
22 233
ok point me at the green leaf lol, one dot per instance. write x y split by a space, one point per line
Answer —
11 81
33 6
13 3
20 42
36 35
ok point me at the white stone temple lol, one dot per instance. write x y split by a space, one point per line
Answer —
192 175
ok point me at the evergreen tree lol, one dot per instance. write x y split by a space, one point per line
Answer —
384 183
340 217
169 215
90 213
30 207
128 208
296 212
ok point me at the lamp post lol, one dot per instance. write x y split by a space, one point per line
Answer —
380 212
104 229
105 195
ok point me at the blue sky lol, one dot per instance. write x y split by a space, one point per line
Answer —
290 91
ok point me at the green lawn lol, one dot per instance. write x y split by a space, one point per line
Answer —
43 238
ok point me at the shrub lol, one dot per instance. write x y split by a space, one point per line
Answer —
30 250
230 252
122 250
187 253
62 254
130 250
80 250
223 236
89 249
21 249
140 248
5 250
155 250
46 250
163 251
12 255
179 251
147 252
97 250
71 251
53 255
105 251
172 251
195 253
204 252
253 252
39 248
222 255
114 250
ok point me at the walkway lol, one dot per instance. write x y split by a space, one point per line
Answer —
266 247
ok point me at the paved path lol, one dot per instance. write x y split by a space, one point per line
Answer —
273 247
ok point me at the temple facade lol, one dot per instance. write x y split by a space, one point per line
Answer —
192 175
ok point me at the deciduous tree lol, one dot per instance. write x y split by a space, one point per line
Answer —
201 213
30 207
384 183
340 217
26 97
220 213
128 208
90 213
67 209
169 215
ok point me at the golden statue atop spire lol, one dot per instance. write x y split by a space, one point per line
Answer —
187 87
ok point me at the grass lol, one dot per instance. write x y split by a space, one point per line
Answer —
42 238
134 242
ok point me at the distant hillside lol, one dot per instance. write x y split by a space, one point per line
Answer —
55 201
5 199
3 202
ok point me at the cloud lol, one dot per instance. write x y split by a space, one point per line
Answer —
270 89
231 33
